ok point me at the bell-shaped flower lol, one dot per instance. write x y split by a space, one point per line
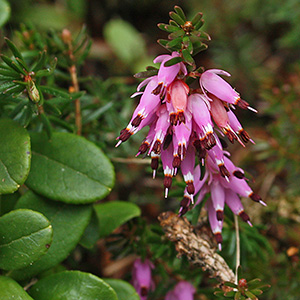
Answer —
211 82
141 277
177 96
183 290
167 74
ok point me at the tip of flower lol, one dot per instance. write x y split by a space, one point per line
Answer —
138 154
118 143
252 141
252 109
154 174
166 192
220 246
262 203
250 224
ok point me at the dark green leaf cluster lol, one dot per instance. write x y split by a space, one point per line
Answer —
243 290
184 36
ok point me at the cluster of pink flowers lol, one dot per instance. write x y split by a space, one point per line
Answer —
182 125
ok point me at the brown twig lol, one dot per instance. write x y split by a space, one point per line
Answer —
197 250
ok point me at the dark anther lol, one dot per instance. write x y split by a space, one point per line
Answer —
244 135
190 188
181 117
223 171
242 104
154 163
220 215
176 162
255 197
124 135
244 216
144 147
219 238
137 121
239 174
157 90
157 147
168 138
167 181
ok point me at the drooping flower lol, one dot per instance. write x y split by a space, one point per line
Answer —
141 277
182 125
183 290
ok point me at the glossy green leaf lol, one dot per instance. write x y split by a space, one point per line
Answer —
69 168
11 290
4 12
72 285
14 156
113 214
68 223
123 289
177 18
25 236
91 233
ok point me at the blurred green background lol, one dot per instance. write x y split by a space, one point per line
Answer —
258 43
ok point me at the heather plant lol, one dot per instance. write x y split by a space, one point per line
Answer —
69 226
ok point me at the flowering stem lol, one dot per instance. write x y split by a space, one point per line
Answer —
238 248
75 88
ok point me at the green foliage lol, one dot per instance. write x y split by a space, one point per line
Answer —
4 12
111 215
72 285
26 236
68 168
123 289
15 156
11 290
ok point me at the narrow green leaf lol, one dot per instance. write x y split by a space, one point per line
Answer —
162 26
198 24
40 62
171 28
68 224
177 18
26 235
94 115
173 61
197 18
69 168
22 64
48 106
175 43
146 74
13 65
15 156
180 12
123 289
163 42
61 123
187 57
4 12
9 73
6 85
250 295
11 290
230 284
57 92
49 71
180 33
72 285
13 48
256 292
47 124
113 214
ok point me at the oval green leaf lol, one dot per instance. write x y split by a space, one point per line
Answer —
25 236
4 12
11 290
111 215
68 223
14 156
69 168
123 289
72 285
